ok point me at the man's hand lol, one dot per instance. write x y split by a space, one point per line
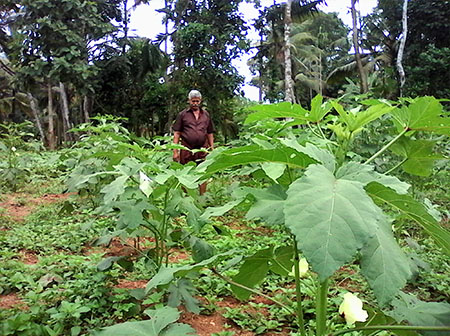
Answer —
176 155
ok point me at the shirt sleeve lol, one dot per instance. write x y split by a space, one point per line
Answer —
178 124
210 129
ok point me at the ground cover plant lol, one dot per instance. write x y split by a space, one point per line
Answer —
295 223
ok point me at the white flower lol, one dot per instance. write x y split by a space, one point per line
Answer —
145 184
13 149
303 268
351 307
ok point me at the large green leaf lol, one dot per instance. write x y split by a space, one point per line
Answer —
423 114
413 210
116 188
254 154
377 318
269 205
167 274
273 170
282 260
318 110
383 262
356 120
219 210
331 218
187 205
365 174
416 312
280 110
156 326
252 272
418 154
182 292
319 154
179 329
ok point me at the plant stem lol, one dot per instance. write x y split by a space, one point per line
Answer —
389 144
298 293
396 166
321 308
254 291
392 327
324 137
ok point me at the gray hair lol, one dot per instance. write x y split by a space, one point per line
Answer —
194 94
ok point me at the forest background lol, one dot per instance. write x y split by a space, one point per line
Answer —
65 61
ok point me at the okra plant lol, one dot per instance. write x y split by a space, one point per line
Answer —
332 201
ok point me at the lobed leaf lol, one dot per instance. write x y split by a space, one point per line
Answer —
252 272
254 154
422 114
413 210
419 155
280 110
383 263
416 312
331 218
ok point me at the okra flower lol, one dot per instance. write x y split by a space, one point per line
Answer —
303 268
351 307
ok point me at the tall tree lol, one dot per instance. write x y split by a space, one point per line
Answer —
55 39
401 71
274 53
208 35
288 82
361 71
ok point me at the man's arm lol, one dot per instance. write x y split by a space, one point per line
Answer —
210 137
176 140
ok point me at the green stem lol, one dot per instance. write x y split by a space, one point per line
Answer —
392 327
396 166
389 144
324 137
311 129
298 293
254 291
321 308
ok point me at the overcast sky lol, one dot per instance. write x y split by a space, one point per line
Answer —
145 21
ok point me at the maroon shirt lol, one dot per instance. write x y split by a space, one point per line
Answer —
193 131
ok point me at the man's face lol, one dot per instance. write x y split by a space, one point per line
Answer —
195 103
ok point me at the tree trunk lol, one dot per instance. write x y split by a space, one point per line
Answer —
65 112
36 114
51 118
401 71
87 104
362 73
289 85
125 25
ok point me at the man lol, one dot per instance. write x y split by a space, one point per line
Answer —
195 129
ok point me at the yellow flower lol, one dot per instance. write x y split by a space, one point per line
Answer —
351 307
303 268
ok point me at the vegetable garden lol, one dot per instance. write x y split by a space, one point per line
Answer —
319 221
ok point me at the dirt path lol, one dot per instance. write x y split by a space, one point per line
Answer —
19 205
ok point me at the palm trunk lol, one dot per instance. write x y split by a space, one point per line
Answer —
36 114
362 73
289 86
125 25
51 118
401 71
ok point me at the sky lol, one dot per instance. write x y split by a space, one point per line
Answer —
145 21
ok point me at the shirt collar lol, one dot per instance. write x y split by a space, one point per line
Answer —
190 110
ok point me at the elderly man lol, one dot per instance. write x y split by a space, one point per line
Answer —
195 129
